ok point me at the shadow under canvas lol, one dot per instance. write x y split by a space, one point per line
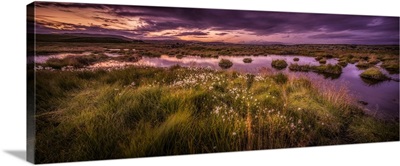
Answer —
21 154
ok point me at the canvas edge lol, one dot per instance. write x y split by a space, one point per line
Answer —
30 80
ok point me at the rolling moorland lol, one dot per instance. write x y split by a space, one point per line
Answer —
139 111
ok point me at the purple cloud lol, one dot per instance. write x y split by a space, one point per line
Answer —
350 28
196 33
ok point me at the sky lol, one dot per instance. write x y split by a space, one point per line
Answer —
211 25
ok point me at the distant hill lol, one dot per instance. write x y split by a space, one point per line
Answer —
84 38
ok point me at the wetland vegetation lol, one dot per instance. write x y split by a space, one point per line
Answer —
109 81
148 111
86 112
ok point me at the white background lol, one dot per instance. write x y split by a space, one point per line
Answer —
13 90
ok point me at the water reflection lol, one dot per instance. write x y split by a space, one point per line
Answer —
44 58
382 97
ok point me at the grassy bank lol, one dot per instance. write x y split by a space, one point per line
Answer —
137 112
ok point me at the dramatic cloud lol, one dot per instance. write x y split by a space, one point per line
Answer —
196 33
332 36
221 34
216 25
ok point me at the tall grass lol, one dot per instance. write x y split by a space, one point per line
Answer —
138 112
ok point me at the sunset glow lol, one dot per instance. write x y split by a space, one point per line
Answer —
207 25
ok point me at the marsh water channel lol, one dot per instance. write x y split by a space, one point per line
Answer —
381 99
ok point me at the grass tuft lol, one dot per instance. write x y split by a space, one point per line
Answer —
225 63
374 73
279 64
247 60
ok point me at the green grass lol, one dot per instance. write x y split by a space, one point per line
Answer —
373 73
225 63
91 115
279 64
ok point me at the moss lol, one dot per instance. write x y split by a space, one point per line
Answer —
279 64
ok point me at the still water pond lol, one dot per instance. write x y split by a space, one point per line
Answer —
382 98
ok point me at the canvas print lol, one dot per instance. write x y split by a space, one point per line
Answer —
124 81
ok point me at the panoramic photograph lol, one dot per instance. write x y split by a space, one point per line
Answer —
118 81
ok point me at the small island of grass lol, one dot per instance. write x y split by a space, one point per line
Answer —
247 60
322 61
225 63
297 67
279 64
373 73
328 69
